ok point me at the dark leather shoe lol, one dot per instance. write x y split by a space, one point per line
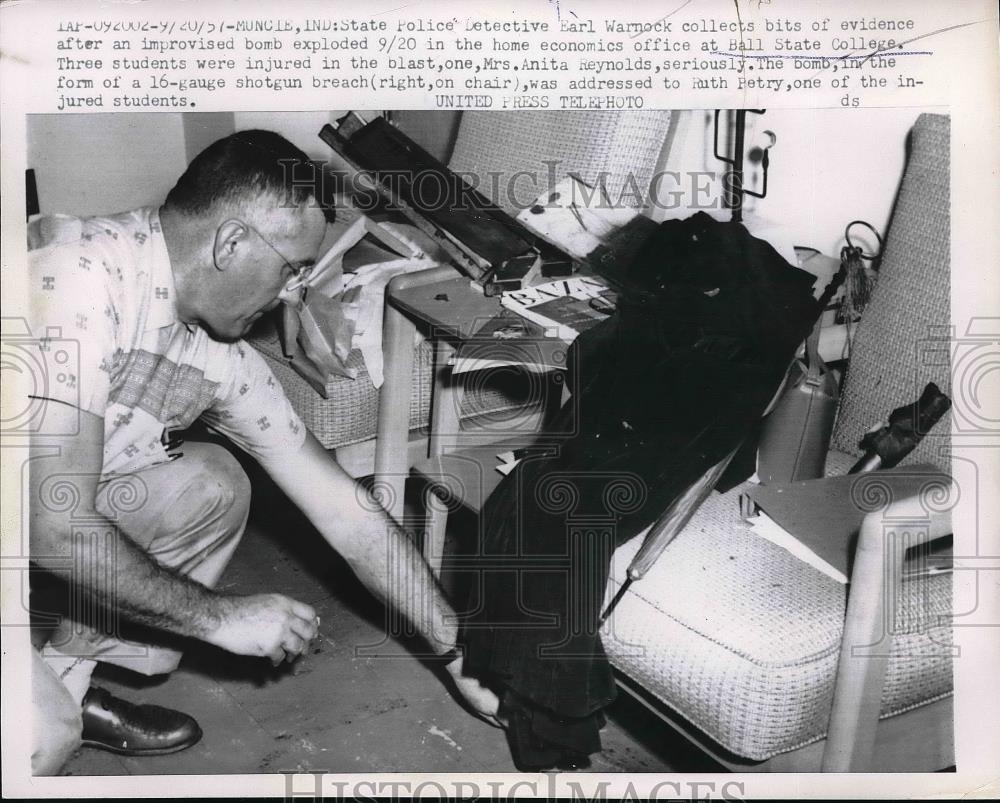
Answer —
110 723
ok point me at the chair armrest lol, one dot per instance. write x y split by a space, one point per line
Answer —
420 278
875 579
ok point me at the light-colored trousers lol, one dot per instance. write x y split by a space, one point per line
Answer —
189 515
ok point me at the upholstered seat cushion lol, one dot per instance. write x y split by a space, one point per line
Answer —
742 639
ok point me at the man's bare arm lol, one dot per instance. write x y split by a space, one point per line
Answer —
377 549
269 625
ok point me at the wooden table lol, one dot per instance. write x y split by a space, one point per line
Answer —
445 307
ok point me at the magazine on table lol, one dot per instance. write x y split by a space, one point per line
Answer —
565 307
537 325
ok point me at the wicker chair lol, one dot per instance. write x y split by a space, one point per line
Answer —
513 156
753 654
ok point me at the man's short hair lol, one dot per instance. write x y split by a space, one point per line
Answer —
240 168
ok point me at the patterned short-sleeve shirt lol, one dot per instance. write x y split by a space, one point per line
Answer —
107 289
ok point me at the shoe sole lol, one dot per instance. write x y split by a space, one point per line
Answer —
125 751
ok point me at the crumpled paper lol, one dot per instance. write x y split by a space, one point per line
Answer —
335 311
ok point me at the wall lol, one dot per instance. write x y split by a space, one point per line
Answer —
203 128
852 159
301 128
104 163
828 167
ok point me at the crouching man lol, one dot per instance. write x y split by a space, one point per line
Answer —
155 303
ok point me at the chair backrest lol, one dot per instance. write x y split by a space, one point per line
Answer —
626 145
902 341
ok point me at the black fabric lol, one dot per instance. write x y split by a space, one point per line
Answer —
707 322
540 740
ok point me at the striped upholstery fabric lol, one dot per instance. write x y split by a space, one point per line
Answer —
735 634
518 155
902 342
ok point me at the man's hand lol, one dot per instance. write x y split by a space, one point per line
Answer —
483 702
265 625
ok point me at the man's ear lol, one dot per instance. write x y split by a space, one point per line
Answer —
230 238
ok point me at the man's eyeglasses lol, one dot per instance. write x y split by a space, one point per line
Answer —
300 273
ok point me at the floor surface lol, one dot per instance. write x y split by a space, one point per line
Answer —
340 708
